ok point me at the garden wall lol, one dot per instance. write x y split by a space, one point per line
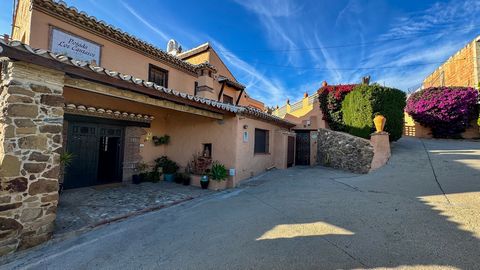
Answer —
347 152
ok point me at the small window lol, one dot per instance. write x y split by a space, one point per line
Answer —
261 141
195 86
158 75
227 99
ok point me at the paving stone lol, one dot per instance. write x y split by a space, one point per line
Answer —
84 207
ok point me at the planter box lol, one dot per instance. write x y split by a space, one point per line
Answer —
214 185
217 185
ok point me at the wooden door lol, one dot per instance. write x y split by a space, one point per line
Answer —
83 144
291 151
303 148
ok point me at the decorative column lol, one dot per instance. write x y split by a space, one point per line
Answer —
31 119
381 149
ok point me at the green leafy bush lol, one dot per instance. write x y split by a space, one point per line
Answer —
218 172
360 105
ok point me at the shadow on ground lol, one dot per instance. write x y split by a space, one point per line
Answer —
421 211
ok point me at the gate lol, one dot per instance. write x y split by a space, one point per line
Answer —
97 153
303 148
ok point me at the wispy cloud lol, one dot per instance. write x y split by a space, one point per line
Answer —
259 86
132 11
276 17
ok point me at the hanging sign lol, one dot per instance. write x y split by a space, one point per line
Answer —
74 46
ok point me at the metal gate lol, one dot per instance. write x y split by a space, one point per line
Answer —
97 152
302 156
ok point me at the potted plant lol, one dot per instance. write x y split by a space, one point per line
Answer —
182 178
204 181
218 174
186 179
169 168
142 169
65 161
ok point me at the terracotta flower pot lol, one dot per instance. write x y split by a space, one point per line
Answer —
379 122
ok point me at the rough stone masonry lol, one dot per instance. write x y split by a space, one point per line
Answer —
31 118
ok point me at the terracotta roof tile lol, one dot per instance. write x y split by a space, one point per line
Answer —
247 111
62 11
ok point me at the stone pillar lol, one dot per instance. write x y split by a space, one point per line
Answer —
31 117
131 152
381 149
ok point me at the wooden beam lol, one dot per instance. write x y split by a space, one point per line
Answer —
239 97
221 91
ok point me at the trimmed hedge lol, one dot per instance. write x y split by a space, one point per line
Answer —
360 106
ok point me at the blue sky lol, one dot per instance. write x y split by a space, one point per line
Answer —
283 48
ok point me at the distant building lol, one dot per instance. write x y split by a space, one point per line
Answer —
461 69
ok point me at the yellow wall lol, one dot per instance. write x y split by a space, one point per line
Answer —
415 129
21 30
199 58
458 70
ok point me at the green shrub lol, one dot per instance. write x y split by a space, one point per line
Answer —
360 105
218 172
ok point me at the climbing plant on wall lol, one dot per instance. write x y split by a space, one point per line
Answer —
448 111
331 97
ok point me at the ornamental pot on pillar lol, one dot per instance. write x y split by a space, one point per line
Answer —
379 122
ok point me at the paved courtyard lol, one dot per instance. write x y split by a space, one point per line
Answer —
84 208
421 211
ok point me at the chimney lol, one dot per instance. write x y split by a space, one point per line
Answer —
366 80
324 83
173 47
305 95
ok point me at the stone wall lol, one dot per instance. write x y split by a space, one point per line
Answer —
131 156
347 152
344 151
31 117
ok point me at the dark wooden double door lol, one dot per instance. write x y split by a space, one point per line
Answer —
97 151
302 146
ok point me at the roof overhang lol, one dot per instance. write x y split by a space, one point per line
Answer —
18 51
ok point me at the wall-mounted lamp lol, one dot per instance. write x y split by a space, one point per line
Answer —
245 126
148 137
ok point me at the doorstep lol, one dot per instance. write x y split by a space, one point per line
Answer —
85 208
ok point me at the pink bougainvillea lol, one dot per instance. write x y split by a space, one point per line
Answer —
331 97
446 110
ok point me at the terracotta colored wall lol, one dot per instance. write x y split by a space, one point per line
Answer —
250 164
188 134
113 56
314 115
458 70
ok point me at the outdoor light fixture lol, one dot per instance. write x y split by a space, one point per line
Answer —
245 126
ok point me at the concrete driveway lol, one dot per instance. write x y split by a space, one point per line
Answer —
421 211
